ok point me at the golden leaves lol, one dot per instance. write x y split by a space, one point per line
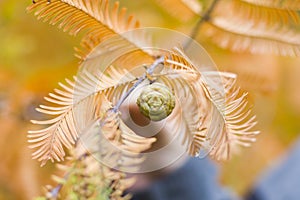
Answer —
214 115
75 107
120 145
280 4
211 113
60 130
219 119
256 26
99 23
258 29
93 18
233 111
75 16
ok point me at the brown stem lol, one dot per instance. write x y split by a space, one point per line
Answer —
204 18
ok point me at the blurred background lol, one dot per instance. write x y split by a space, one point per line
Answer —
35 56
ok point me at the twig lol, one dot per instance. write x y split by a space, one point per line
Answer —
204 18
149 71
160 60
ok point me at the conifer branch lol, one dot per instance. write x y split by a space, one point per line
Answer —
149 71
204 18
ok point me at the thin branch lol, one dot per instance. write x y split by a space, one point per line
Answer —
204 18
160 60
149 71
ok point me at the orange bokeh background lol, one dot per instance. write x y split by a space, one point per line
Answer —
35 56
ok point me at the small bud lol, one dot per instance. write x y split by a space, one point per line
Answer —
156 101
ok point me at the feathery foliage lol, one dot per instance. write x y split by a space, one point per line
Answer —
285 4
61 130
254 26
94 18
220 117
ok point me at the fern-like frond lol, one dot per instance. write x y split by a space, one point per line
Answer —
280 4
133 142
75 107
238 42
178 74
233 113
123 144
94 18
181 9
255 26
60 131
246 19
187 124
257 15
115 130
220 118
